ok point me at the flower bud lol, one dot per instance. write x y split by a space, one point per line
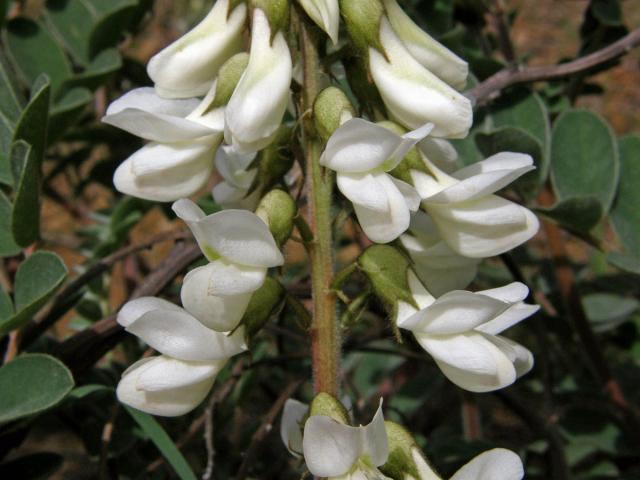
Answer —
277 11
265 302
326 14
363 19
431 54
401 447
277 210
330 110
188 66
325 404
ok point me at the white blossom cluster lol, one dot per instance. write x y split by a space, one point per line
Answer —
214 105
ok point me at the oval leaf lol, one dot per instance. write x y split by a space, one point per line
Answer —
625 214
32 383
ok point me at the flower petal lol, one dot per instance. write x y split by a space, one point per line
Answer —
134 309
408 192
165 172
385 226
510 317
440 152
326 14
188 66
236 235
491 465
291 425
374 439
455 312
484 227
412 94
365 189
220 313
180 335
167 403
514 292
498 162
144 114
260 99
470 361
166 373
330 448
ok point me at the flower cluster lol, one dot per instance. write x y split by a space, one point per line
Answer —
216 106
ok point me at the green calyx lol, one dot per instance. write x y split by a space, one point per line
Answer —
329 110
400 463
275 160
228 77
277 11
387 270
277 209
265 303
325 404
363 18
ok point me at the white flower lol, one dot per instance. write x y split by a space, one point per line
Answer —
338 451
184 136
292 424
361 153
240 249
431 54
260 99
232 191
460 331
496 464
471 220
413 95
437 265
175 382
188 66
326 14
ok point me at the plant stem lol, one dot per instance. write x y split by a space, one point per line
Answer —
325 335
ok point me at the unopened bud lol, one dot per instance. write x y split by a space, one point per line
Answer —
330 110
277 209
325 404
277 11
265 303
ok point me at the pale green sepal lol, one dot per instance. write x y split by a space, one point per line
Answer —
228 77
277 11
277 209
330 109
265 303
325 404
363 18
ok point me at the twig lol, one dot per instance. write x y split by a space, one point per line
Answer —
264 429
70 294
85 348
491 87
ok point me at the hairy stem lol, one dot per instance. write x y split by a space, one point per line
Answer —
325 335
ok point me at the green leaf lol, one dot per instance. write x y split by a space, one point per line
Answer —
67 110
72 22
101 67
513 139
624 262
32 124
584 158
34 52
625 214
114 18
36 279
159 437
525 109
606 310
6 305
85 390
25 217
11 104
579 214
8 245
32 383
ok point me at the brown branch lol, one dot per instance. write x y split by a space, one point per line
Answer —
85 348
491 87
70 294
265 428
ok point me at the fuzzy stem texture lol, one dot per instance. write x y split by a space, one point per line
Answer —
325 334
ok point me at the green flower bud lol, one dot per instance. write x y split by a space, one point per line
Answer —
265 303
411 161
325 404
277 209
363 18
387 270
228 77
400 463
277 12
330 110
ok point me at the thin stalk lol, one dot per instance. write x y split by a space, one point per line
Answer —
325 334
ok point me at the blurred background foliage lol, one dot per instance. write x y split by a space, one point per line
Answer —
74 250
